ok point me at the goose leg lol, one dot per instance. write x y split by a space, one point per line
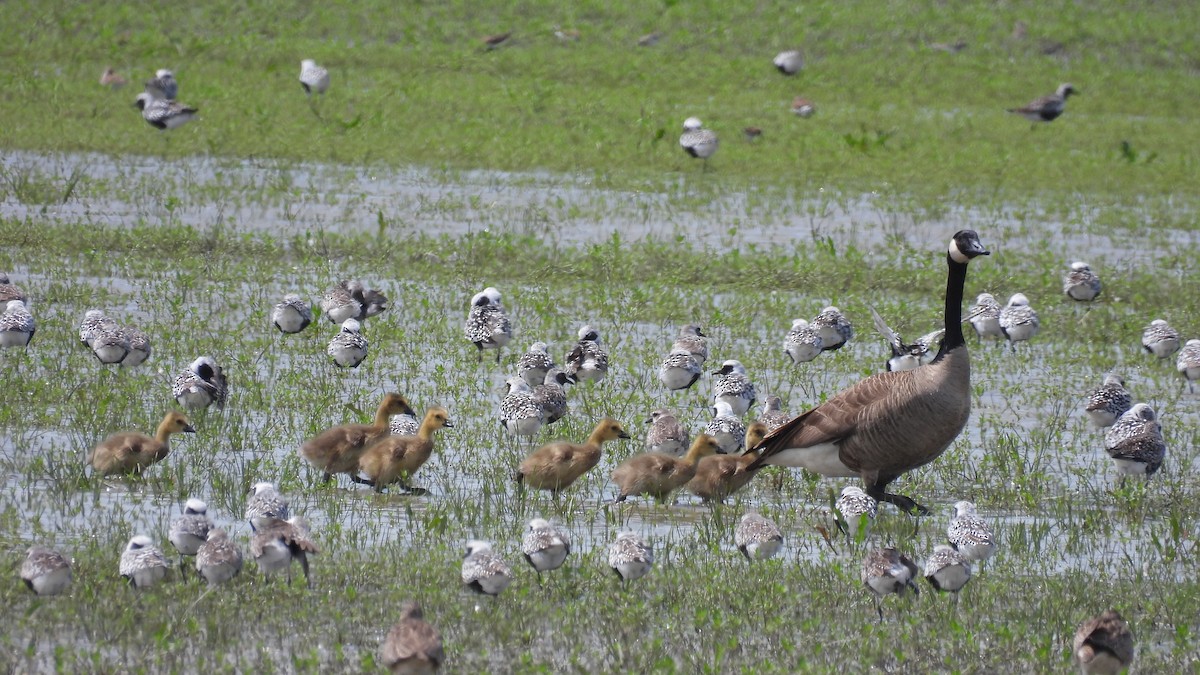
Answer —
901 502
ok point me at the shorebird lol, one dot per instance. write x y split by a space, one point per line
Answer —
483 571
45 571
1158 339
1103 645
163 85
219 558
164 113
93 321
858 510
10 291
1108 401
694 341
202 384
905 356
412 646
734 387
630 557
348 348
112 79
142 563
984 316
727 428
752 133
803 107
1046 108
666 434
491 42
139 346
520 415
265 504
773 414
16 325
189 532
109 343
1135 442
551 395
697 141
487 325
292 314
833 327
534 364
278 542
649 39
803 343
587 360
679 370
1018 321
545 546
1081 283
757 537
949 47
313 78
350 299
886 571
1188 363
789 62
947 570
566 34
969 534
404 424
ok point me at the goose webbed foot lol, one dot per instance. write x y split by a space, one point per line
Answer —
901 502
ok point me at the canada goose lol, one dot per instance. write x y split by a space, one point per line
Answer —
697 141
969 534
412 646
734 387
1159 339
789 62
947 570
520 414
658 475
200 385
1108 401
190 531
292 314
487 325
45 571
667 435
587 360
1135 442
1103 645
890 423
164 114
551 395
904 356
1188 363
265 504
219 558
803 343
133 451
10 291
857 510
886 571
348 348
338 449
278 542
757 537
142 563
483 571
773 415
313 78
535 364
984 316
692 339
719 476
555 466
803 107
630 557
163 85
1047 108
729 431
545 546
350 299
1081 283
16 325
1018 321
833 327
394 459
679 370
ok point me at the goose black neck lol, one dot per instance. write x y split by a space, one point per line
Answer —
956 278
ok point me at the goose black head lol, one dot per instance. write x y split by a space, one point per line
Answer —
965 245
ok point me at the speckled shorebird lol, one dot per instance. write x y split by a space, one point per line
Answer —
10 291
734 387
45 571
984 316
404 424
348 348
93 320
727 428
487 325
142 563
969 534
1103 645
163 85
1081 283
947 570
1188 363
164 113
535 363
313 78
1159 339
545 546
265 504
1047 108
483 571
112 79
789 62
1018 321
587 360
412 646
520 415
201 384
275 545
16 325
630 557
109 342
679 370
1135 442
886 571
757 537
694 341
350 299
551 395
803 107
905 356
292 314
1108 401
773 415
857 510
833 327
140 347
190 531
697 141
803 343
219 558
666 433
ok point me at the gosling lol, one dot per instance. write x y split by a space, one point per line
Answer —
555 466
659 475
131 452
394 459
719 476
337 450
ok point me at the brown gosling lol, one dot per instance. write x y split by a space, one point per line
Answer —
555 466
133 451
412 646
338 450
1104 644
657 474
719 476
394 459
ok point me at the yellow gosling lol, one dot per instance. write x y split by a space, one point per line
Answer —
657 474
338 450
133 451
395 459
555 466
719 476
